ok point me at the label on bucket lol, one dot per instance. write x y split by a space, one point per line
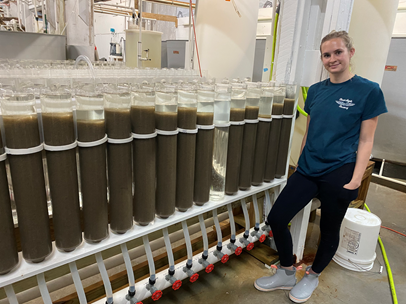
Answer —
350 240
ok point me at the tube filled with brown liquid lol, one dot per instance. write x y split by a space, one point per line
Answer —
185 164
27 175
144 153
284 141
8 249
92 156
60 146
235 137
250 135
166 123
117 102
274 135
204 144
264 126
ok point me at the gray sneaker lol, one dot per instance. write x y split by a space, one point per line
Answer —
304 289
282 279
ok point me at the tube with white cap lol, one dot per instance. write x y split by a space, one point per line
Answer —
92 140
60 146
117 102
221 123
264 127
166 120
204 144
235 137
274 135
24 150
250 134
144 152
8 251
185 164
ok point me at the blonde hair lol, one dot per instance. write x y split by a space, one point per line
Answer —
338 34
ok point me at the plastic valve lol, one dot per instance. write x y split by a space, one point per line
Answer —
220 255
194 278
209 268
238 251
156 295
262 238
177 285
234 248
270 234
225 258
140 303
250 246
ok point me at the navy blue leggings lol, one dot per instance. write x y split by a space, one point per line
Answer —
298 192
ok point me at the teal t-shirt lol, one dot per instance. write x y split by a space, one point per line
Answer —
337 111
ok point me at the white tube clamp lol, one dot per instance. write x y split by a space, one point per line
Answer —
222 125
206 127
277 116
167 132
190 131
265 119
24 151
3 157
93 143
120 141
288 116
144 136
251 121
60 147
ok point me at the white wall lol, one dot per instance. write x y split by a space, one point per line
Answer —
399 29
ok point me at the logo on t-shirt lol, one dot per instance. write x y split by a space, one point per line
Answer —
345 103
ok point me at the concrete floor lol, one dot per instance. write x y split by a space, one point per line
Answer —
233 282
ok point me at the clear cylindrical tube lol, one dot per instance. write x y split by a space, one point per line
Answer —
117 102
264 126
27 175
8 250
166 123
235 138
93 178
185 165
289 107
144 154
59 130
204 144
221 122
274 135
250 134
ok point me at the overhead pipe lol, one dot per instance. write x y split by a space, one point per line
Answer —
203 260
245 239
112 262
232 246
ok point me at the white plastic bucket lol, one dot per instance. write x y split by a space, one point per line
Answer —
358 237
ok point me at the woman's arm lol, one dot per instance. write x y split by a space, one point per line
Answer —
304 138
366 141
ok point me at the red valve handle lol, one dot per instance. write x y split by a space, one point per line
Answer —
250 246
225 258
156 295
270 234
194 278
238 251
262 238
177 285
140 303
209 268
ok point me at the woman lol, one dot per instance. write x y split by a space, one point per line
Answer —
342 117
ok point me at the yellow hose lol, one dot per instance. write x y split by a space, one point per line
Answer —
274 44
390 276
304 93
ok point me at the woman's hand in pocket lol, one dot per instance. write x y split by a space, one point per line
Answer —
352 185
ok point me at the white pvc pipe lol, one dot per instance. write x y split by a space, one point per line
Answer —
161 283
255 202
231 217
11 296
42 285
105 278
128 266
246 215
218 228
168 246
150 257
78 283
114 261
187 240
204 233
